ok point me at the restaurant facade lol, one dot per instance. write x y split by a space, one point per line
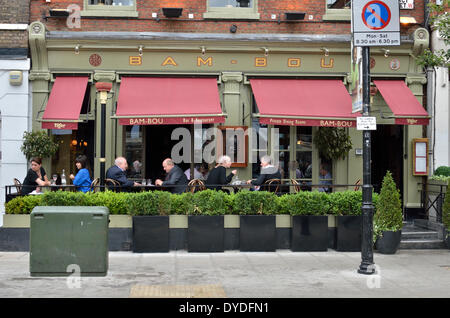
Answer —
281 87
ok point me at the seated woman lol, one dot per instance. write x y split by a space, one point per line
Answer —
36 177
82 180
218 176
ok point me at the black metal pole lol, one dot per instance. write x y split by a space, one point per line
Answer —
102 146
367 264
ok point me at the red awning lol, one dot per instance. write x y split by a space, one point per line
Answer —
404 105
165 101
303 102
65 102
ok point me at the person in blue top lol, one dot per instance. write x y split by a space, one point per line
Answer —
82 180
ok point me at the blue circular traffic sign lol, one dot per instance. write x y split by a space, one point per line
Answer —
376 15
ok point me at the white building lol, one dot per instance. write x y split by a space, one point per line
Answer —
15 112
438 132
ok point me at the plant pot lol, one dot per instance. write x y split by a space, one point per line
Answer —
206 233
257 233
150 234
309 233
348 233
389 242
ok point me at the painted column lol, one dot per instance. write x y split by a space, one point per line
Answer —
110 149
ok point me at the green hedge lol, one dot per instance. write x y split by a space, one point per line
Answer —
206 202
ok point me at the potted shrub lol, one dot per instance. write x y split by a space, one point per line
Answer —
347 208
257 220
150 211
388 219
38 144
308 211
446 216
206 222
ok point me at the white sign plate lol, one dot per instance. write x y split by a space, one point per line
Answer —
366 123
376 22
406 4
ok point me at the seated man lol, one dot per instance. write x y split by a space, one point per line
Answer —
118 173
325 178
268 171
175 179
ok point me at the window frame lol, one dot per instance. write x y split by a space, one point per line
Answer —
344 14
98 10
234 13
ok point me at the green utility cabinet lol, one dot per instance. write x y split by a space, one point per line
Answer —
67 239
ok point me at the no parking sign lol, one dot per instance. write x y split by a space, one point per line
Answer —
376 23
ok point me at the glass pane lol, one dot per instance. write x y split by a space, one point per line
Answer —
304 138
134 150
231 3
325 175
284 137
338 4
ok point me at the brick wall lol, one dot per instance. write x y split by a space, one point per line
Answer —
145 22
14 12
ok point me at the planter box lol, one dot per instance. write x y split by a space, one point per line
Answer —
257 233
309 233
205 233
348 233
389 242
150 234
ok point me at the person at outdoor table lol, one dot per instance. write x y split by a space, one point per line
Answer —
118 173
175 180
82 180
325 178
218 176
268 171
35 177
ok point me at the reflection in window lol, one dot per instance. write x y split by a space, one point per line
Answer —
112 2
134 150
231 3
338 4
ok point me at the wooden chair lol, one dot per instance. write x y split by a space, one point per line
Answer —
94 185
112 184
357 185
195 185
271 185
296 185
18 185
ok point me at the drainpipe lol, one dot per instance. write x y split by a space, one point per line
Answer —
431 129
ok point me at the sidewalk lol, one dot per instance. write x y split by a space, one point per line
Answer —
283 274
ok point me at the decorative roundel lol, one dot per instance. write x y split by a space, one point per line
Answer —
95 60
394 64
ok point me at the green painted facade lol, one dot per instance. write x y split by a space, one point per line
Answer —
233 62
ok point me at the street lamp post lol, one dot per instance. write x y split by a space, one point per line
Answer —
103 88
367 264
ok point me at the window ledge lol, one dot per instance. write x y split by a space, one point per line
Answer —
106 13
232 15
337 15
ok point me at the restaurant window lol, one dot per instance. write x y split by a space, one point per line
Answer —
259 146
110 8
303 155
134 151
232 9
337 10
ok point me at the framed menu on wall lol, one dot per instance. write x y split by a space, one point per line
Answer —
420 156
